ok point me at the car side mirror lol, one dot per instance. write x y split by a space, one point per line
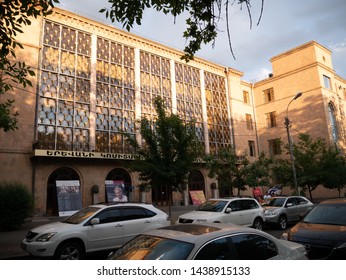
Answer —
228 210
289 205
95 221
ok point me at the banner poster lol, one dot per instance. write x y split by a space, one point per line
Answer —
197 197
116 191
69 197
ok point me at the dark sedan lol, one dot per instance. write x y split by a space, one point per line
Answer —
322 231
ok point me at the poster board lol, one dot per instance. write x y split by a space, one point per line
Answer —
113 187
197 197
69 197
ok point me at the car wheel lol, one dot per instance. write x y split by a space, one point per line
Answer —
282 222
69 251
258 224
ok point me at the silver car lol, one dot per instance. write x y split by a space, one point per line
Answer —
208 242
281 210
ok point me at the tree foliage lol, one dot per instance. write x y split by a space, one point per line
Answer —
257 173
14 14
226 167
168 151
16 205
237 172
202 23
308 153
333 169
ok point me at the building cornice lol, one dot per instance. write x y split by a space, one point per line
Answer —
278 77
298 49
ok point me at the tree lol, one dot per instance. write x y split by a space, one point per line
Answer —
257 173
13 15
168 151
226 167
333 169
308 154
202 23
281 171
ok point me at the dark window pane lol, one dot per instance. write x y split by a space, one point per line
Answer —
216 250
253 247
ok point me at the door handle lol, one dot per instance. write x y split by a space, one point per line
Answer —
147 222
118 225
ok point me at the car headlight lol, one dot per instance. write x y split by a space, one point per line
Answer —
270 213
45 237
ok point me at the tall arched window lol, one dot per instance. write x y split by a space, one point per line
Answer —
333 122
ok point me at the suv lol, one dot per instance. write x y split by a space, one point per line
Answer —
280 210
97 227
240 211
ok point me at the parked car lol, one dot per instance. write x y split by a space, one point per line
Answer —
208 242
322 231
95 228
281 210
236 210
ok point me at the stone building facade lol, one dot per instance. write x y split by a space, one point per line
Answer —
94 81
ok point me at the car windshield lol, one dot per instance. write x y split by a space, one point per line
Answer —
146 247
332 214
81 215
274 201
212 206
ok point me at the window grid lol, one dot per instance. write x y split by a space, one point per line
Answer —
218 121
189 100
64 89
155 81
115 95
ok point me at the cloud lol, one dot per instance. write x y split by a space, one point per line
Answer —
284 25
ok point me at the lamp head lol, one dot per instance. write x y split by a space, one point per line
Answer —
299 94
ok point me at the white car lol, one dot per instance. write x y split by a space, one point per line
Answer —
208 242
94 228
236 210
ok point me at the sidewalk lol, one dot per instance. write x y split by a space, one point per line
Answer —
10 240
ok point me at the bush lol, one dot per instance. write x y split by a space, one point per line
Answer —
16 204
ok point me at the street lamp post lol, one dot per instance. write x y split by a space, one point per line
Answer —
287 124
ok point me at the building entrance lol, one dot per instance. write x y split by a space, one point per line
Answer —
60 174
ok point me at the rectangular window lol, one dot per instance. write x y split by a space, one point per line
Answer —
271 119
249 124
274 147
246 97
327 83
268 95
252 152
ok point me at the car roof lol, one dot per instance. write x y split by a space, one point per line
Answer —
195 233
109 204
338 200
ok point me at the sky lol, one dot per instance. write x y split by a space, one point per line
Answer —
284 25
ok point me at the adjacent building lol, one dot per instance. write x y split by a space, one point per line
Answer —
94 81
